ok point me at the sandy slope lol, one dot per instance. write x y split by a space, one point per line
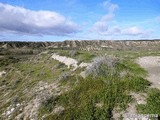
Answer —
152 65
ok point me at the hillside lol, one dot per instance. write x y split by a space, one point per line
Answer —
79 80
88 45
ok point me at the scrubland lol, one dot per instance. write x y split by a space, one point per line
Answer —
36 86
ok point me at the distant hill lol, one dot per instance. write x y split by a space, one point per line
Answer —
87 45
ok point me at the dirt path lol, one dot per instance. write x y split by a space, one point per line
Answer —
152 65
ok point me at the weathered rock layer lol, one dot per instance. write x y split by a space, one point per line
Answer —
88 45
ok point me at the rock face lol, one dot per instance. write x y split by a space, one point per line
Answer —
70 62
88 45
66 60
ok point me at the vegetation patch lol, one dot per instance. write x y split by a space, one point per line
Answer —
97 95
107 86
153 103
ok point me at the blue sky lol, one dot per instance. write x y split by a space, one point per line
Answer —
58 20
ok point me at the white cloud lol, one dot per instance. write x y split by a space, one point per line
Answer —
110 6
102 26
135 31
19 20
105 27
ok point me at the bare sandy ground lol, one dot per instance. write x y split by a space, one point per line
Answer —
152 65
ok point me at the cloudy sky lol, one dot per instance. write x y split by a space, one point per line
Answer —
58 20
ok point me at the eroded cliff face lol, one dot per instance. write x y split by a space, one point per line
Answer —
87 45
111 45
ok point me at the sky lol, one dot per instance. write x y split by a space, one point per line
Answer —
59 20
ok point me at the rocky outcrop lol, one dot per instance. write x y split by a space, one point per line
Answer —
88 45
70 62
